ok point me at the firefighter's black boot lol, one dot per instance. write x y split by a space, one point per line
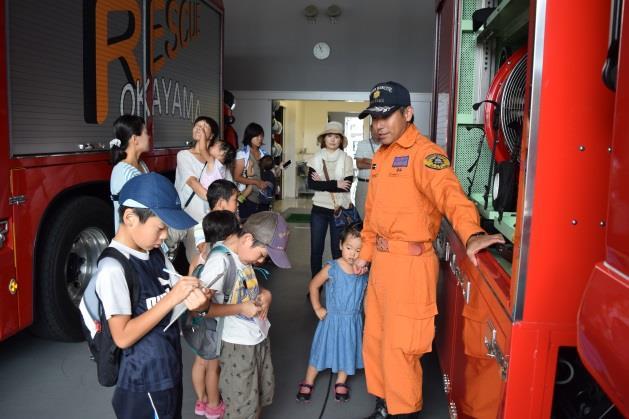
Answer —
381 410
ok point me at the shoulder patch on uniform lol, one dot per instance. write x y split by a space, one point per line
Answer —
436 161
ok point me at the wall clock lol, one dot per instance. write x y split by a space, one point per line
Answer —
321 50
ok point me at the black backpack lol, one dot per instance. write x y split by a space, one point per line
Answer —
102 346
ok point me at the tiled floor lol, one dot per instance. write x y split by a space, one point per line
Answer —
46 379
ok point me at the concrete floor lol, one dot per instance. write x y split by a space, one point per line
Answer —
40 378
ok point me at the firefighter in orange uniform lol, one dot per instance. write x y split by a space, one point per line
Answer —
411 187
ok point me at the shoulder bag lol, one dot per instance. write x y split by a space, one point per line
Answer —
342 216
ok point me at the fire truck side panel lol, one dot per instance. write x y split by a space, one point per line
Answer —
446 34
603 326
40 186
480 335
9 289
62 90
525 314
46 184
572 162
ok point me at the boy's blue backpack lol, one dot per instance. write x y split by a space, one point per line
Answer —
203 334
104 351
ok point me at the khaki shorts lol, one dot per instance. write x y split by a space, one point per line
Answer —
247 382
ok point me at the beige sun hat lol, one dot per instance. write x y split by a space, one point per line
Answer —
332 127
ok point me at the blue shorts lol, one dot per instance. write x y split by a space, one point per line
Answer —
165 404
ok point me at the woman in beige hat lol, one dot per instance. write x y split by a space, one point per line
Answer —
330 175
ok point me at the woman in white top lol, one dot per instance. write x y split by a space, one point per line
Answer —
131 139
331 191
205 161
251 151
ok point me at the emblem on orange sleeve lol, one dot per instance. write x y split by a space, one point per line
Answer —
436 161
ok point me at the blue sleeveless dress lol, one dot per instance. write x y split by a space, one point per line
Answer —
337 343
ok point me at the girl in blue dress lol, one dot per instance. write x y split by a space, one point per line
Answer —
337 343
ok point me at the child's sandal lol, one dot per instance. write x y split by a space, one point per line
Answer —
304 397
341 397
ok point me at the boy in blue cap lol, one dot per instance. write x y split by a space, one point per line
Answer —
149 380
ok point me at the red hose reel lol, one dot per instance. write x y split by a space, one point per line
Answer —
504 107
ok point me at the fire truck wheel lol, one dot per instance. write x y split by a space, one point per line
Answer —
67 256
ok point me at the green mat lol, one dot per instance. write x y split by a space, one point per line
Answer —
298 218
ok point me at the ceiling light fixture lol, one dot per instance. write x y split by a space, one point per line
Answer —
311 11
333 13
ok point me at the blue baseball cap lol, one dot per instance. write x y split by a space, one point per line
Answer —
157 193
385 98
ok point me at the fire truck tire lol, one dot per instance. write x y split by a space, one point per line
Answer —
68 252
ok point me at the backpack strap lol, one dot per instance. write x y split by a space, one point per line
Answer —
228 287
130 274
230 272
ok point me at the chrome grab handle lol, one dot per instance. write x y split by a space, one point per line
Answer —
452 410
447 385
466 286
4 229
494 351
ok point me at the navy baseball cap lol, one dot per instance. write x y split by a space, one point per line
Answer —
385 98
155 192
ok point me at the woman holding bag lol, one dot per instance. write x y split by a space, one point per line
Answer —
247 170
330 175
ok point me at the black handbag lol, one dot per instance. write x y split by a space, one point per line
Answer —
346 216
342 216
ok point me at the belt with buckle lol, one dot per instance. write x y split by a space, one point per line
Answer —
399 247
362 180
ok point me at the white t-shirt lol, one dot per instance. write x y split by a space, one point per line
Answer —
237 329
120 174
111 284
364 151
188 166
245 154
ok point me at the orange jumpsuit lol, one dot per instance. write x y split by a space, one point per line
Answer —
411 187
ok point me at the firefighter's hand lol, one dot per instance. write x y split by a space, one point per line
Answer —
360 266
477 243
197 300
315 176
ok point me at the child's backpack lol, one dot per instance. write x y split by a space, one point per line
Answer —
104 351
203 334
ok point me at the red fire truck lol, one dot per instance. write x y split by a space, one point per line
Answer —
531 103
67 70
